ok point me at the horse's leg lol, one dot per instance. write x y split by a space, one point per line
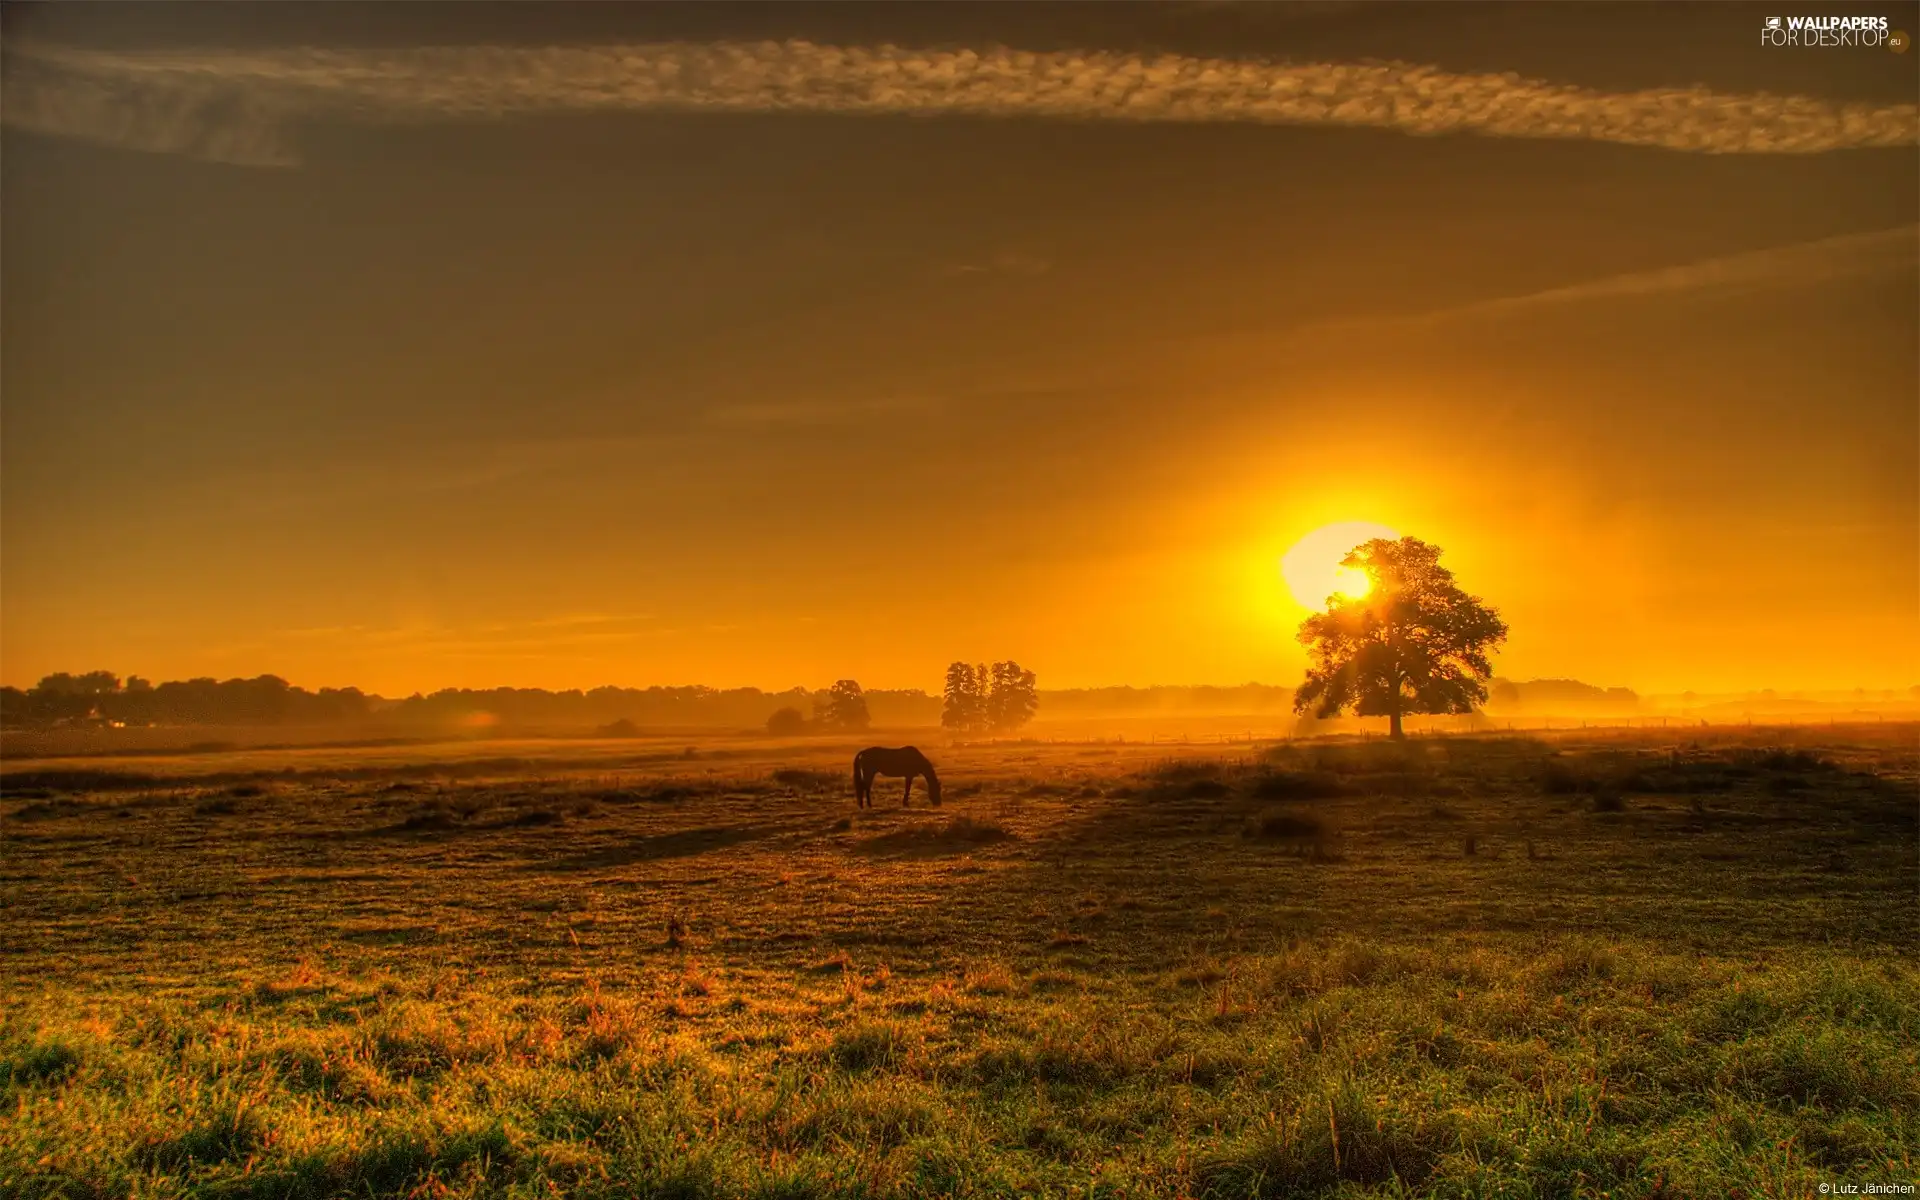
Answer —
908 792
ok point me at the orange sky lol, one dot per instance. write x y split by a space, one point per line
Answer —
466 380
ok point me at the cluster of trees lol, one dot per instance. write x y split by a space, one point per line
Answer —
841 708
101 697
979 699
982 699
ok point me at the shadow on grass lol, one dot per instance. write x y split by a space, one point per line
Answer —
683 843
927 839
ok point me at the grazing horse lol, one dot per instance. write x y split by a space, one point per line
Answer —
881 760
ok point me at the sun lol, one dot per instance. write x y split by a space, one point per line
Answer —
1351 582
1312 568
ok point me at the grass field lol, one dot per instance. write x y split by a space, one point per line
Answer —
1625 964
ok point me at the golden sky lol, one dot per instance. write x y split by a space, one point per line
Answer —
422 346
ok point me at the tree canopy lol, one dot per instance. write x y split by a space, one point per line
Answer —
787 722
1414 643
843 706
979 699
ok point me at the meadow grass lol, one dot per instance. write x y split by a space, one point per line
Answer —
1460 967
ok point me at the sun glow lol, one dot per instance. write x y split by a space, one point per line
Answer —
1351 582
1312 567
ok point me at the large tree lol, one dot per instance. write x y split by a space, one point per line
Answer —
1414 643
964 708
1014 697
843 706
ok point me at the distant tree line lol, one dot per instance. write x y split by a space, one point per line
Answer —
1151 701
967 707
999 698
665 707
984 700
1567 697
100 697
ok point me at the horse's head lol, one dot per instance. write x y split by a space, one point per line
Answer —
933 787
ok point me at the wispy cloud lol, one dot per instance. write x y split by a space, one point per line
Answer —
1797 264
1005 262
237 106
815 412
213 118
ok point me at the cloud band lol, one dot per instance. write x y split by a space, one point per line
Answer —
235 105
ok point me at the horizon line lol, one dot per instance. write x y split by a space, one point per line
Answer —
1766 691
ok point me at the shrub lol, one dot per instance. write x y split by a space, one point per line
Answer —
43 1062
1285 825
966 829
1049 789
428 821
1793 760
1560 779
926 837
1301 785
1185 770
1399 783
800 777
787 722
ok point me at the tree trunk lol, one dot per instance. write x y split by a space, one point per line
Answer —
1393 711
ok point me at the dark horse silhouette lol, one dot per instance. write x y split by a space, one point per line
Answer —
881 760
